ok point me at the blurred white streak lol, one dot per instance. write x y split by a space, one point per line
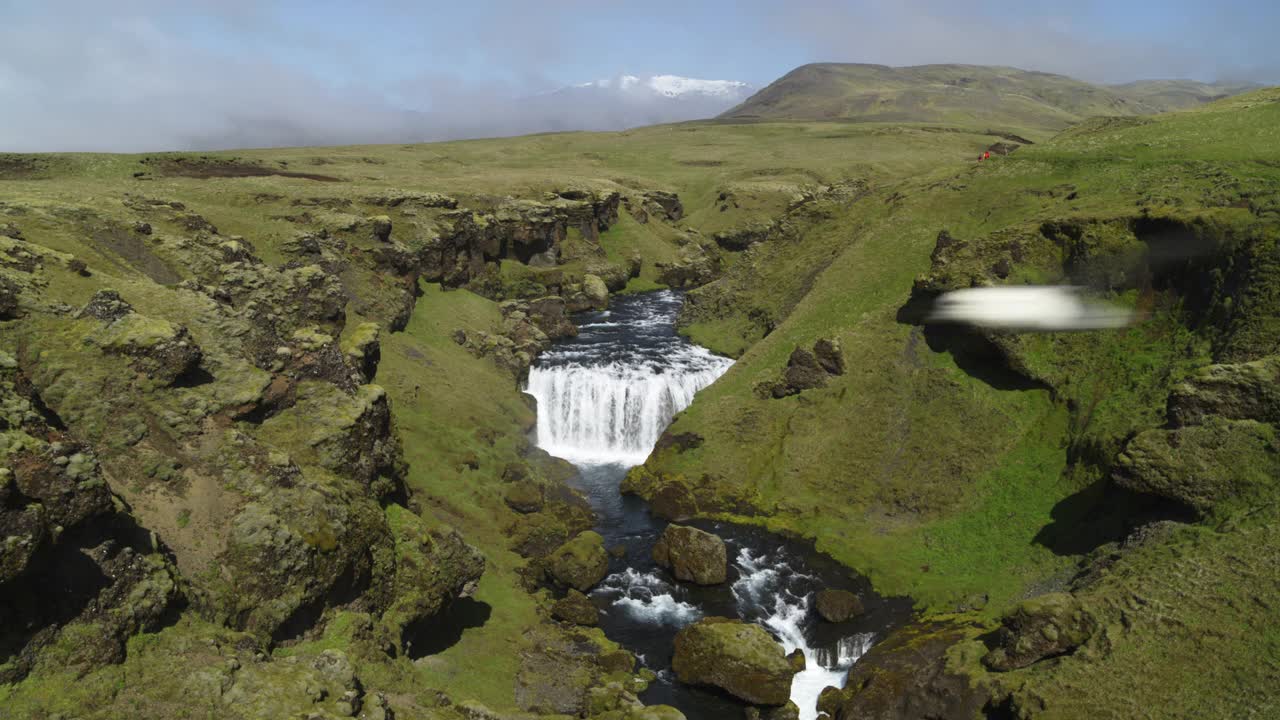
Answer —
1028 309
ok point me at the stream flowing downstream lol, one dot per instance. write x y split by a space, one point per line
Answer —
604 398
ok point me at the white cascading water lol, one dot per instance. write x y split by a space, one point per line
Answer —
604 398
760 579
615 413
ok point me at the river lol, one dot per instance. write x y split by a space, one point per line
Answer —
604 398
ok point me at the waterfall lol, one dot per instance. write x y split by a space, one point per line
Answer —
604 398
607 397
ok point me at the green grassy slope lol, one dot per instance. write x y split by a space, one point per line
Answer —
976 475
1009 99
1166 95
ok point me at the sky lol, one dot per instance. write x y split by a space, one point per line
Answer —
140 75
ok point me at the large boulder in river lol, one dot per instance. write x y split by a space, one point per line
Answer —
737 657
581 562
838 606
692 554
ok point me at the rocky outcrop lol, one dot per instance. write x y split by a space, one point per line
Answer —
692 555
1244 391
663 204
905 677
837 606
466 243
433 567
1043 627
807 370
1202 466
737 657
75 572
575 608
567 671
581 562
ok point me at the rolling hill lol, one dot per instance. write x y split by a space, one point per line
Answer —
962 95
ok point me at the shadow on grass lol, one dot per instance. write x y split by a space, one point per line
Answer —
1103 513
439 633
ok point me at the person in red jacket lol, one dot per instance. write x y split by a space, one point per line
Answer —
986 155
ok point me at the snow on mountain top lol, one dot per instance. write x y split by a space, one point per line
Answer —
672 86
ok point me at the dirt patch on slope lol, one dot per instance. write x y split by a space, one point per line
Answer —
133 249
24 167
205 167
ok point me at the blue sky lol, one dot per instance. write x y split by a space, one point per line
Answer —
75 70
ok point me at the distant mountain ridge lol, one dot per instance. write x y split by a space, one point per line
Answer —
963 94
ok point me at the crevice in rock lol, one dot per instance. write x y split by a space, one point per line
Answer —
193 377
348 588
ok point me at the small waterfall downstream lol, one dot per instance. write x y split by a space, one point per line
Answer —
604 398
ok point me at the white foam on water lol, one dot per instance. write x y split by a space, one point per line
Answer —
659 610
760 579
647 598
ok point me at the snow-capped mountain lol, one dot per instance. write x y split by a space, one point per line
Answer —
673 86
628 101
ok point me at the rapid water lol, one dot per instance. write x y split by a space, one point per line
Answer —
604 398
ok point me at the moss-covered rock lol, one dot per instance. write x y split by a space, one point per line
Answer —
691 554
596 291
906 676
1245 391
576 608
737 657
1043 627
581 562
561 667
1219 463
433 566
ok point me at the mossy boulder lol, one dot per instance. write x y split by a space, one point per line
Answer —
433 566
1221 462
156 347
1043 627
906 677
645 712
737 657
561 666
691 554
596 291
575 608
837 606
1243 391
525 496
581 562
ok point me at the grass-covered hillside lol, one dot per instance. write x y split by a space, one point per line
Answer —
264 449
1007 99
1130 474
